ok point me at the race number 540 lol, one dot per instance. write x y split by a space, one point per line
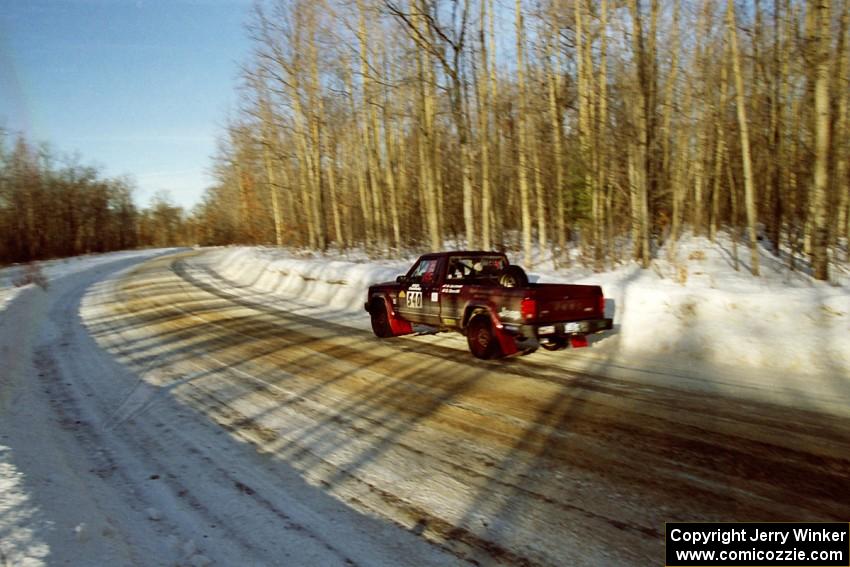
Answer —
414 299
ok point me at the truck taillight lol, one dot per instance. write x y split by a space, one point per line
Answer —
602 305
528 308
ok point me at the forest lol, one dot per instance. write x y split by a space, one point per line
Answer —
609 127
591 131
52 206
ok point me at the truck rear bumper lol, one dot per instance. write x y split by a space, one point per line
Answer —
563 329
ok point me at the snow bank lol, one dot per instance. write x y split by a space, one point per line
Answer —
695 308
336 284
691 310
54 269
7 294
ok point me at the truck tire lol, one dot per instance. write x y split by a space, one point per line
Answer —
481 338
380 320
513 276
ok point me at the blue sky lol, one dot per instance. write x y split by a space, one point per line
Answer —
135 87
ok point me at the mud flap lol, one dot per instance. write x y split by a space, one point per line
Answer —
578 341
507 343
398 325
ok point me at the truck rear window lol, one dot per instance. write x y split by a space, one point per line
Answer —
474 268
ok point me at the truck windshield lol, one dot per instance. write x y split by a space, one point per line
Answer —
475 268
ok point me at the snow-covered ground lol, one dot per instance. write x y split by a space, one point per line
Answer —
98 467
695 314
212 407
22 522
62 267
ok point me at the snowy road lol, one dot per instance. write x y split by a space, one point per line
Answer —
163 415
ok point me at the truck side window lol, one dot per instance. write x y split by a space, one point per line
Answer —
456 270
473 269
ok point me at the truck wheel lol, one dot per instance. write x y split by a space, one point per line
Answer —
555 343
481 338
380 320
513 276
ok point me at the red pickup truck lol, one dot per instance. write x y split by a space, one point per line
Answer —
483 296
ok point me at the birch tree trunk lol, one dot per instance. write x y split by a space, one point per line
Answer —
358 159
584 88
483 80
602 134
557 131
679 174
498 190
339 238
370 123
522 144
316 123
820 234
540 197
701 125
749 188
269 155
669 92
777 121
427 146
841 183
720 145
391 163
640 228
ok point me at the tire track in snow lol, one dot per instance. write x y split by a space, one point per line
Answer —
529 452
122 452
120 473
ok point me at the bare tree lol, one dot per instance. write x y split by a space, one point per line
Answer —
749 185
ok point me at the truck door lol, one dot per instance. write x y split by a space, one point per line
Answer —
468 277
419 299
457 274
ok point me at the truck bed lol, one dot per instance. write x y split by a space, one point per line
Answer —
552 303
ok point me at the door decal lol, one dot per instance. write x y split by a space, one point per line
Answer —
414 299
